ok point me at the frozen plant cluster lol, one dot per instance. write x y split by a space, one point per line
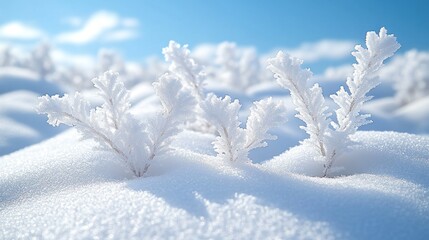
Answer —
233 142
39 60
309 101
184 67
114 128
183 100
410 73
237 67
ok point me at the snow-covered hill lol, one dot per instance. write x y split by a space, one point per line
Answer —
20 125
62 189
125 182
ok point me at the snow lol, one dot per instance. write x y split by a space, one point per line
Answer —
388 114
20 126
417 113
62 188
14 78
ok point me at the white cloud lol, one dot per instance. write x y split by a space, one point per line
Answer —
93 28
120 35
74 21
101 25
130 22
18 30
324 49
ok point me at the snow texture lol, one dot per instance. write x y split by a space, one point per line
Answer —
65 188
61 188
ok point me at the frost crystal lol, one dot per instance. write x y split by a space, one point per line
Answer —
310 102
185 67
177 105
264 115
379 48
234 143
114 128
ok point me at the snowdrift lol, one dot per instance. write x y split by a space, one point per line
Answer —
20 126
63 188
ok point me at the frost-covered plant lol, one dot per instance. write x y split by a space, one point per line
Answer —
41 60
6 57
234 143
110 60
178 105
249 67
72 78
227 59
185 68
410 73
114 128
238 67
379 48
310 102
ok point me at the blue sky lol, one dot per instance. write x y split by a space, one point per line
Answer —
147 26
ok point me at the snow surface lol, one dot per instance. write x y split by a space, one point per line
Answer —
63 189
387 114
20 126
13 78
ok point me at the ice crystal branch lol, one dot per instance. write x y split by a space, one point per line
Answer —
223 115
107 124
116 98
185 67
41 60
369 60
310 103
410 73
191 75
379 48
234 143
177 105
237 67
264 115
114 128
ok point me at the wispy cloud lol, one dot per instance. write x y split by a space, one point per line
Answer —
73 21
120 35
130 22
19 30
102 25
324 49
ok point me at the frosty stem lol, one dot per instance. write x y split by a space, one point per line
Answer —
310 101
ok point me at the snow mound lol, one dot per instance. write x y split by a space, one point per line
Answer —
388 114
63 188
417 113
383 153
20 125
14 79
